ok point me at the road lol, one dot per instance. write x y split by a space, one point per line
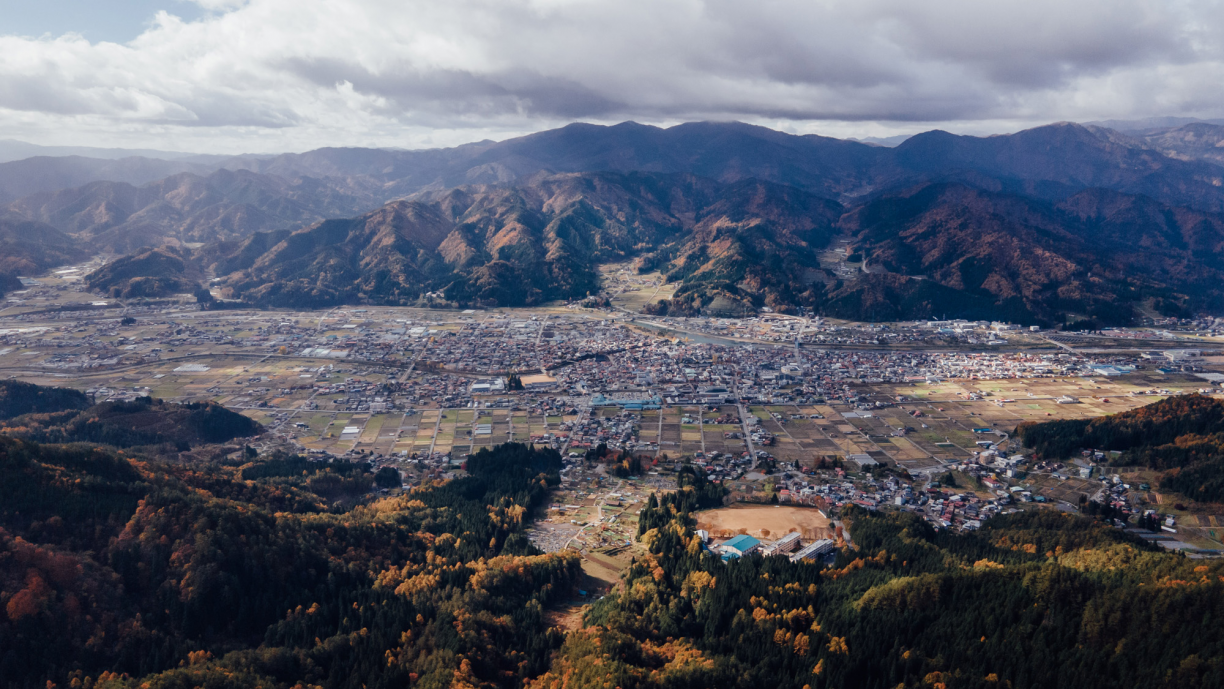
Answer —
598 513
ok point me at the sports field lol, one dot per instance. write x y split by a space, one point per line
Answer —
764 521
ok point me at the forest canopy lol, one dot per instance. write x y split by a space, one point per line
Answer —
1182 437
60 415
119 572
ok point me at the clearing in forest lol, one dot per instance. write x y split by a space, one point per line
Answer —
764 521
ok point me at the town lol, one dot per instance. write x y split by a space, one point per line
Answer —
800 413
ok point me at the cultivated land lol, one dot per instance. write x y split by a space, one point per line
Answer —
766 404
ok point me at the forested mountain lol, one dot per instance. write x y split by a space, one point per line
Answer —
1182 436
1096 253
57 415
1053 224
1193 141
29 248
736 244
118 217
937 249
121 572
156 272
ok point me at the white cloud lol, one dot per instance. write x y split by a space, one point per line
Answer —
295 74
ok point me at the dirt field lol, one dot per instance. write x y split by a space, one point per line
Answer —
760 521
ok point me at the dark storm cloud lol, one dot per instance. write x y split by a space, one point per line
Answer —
369 68
460 92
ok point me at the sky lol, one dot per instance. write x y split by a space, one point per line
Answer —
258 76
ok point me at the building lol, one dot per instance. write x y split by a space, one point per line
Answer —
713 395
787 544
864 461
1182 354
739 546
813 550
630 403
494 385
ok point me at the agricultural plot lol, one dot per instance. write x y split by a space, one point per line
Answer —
631 291
648 431
669 440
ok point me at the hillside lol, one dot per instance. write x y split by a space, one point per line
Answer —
893 297
1005 226
1183 437
28 248
1194 141
21 178
746 242
156 272
905 607
57 415
1057 158
186 208
252 575
229 575
18 398
1096 254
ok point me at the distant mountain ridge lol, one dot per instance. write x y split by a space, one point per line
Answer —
11 149
1099 253
1060 155
726 152
187 208
28 247
46 173
1066 154
1196 141
736 213
739 243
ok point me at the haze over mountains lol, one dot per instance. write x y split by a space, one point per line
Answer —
949 225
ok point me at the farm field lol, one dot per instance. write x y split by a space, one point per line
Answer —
926 427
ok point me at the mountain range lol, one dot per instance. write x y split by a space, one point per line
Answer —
540 241
949 225
1098 253
119 217
29 247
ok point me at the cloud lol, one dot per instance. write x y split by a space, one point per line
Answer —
293 74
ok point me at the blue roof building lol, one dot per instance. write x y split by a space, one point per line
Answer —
739 546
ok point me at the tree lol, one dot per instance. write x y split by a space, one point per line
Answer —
388 477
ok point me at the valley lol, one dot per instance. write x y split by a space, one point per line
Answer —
607 345
420 389
543 403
